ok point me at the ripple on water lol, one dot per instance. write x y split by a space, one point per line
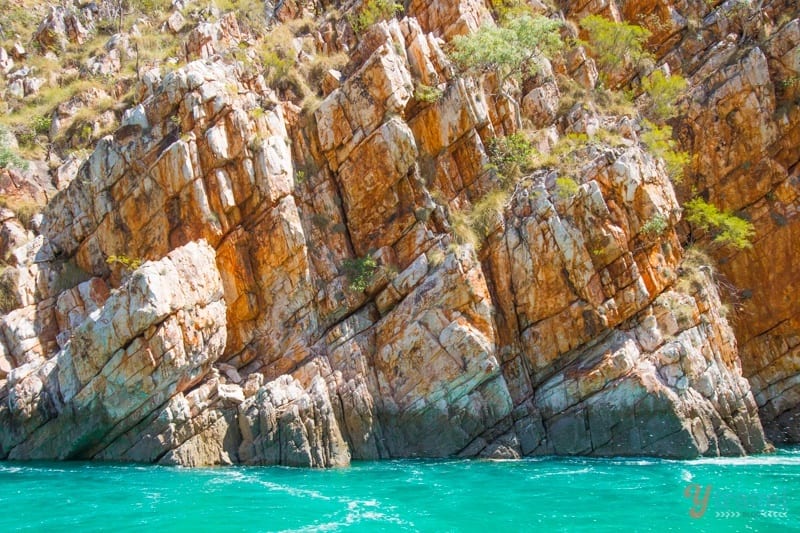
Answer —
541 493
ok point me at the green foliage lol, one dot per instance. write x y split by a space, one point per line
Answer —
659 141
727 229
570 142
9 158
512 50
510 155
617 46
427 93
128 263
149 6
373 11
566 187
41 124
655 226
481 219
277 64
663 91
565 154
26 138
463 230
507 9
359 272
488 210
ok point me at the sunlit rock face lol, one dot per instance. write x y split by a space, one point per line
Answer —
190 298
741 122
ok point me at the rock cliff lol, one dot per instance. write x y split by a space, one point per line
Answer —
741 122
231 278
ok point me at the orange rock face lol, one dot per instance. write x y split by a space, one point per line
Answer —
742 123
308 297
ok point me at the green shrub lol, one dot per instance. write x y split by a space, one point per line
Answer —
655 226
463 230
512 50
8 157
617 46
427 93
564 155
277 64
374 11
359 272
510 156
474 225
726 228
659 141
149 6
566 187
663 91
128 263
26 138
41 124
507 9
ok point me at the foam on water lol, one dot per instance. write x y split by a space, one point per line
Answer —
576 494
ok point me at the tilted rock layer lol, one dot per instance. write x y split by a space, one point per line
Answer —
242 338
742 123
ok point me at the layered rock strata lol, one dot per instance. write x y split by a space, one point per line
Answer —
243 339
741 121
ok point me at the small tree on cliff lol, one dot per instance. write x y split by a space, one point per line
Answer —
663 91
617 46
512 50
725 228
506 9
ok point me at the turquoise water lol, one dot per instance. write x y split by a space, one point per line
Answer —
536 494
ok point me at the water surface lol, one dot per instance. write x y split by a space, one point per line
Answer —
759 493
